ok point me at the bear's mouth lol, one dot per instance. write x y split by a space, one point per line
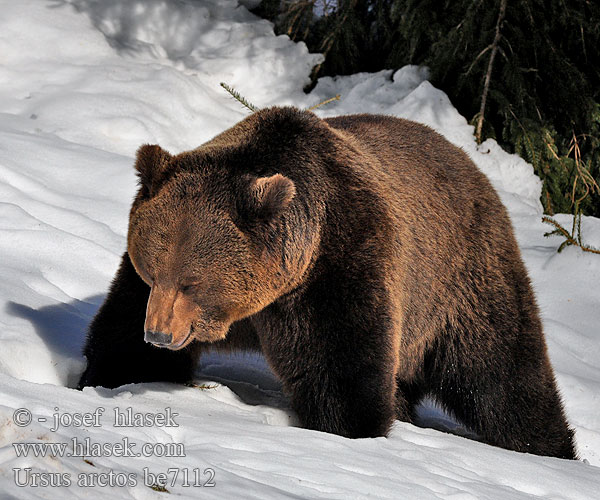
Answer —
180 345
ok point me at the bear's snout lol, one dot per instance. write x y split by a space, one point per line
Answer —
169 317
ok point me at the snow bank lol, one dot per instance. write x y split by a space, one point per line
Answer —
82 84
97 71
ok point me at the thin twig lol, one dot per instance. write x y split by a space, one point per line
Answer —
477 58
488 75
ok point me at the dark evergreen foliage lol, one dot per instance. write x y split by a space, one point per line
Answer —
543 96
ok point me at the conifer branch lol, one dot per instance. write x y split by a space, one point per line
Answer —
236 95
570 238
488 75
322 103
202 387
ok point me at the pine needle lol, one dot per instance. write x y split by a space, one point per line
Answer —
236 95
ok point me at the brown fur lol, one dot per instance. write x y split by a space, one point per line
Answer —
366 256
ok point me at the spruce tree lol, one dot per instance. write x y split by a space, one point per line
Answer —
526 73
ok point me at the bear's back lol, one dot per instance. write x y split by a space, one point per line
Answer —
414 158
425 180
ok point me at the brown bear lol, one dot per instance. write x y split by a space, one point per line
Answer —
367 258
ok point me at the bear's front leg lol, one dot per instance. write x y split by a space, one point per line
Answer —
337 366
344 401
115 348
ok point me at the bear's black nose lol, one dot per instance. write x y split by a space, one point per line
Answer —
158 338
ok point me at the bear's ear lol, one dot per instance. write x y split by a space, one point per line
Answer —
267 197
151 162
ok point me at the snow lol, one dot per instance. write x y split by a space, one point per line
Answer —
82 84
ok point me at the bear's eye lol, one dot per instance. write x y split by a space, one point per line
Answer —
189 287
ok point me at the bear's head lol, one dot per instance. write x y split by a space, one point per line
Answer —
215 244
